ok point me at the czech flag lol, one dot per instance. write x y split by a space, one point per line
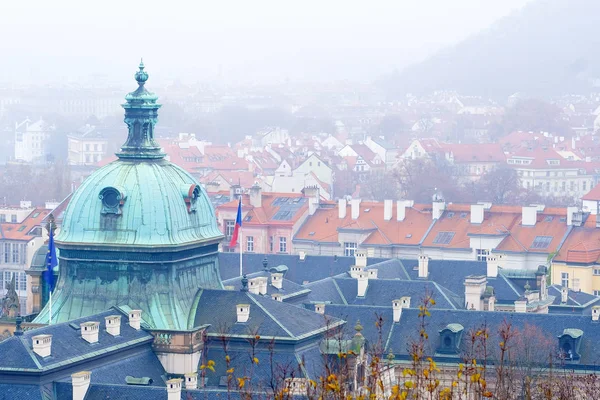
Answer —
238 225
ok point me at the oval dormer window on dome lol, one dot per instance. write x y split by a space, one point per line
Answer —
190 196
112 200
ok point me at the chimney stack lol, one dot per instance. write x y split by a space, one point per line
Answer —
438 208
89 331
174 389
529 215
263 282
492 266
42 345
564 295
372 273
400 210
254 285
423 266
342 208
474 289
135 319
277 280
256 195
477 213
277 297
595 313
314 197
80 382
360 258
492 303
570 212
191 380
521 306
355 208
397 307
113 325
387 210
363 283
320 308
243 312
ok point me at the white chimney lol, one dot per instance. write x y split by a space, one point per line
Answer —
363 283
42 345
25 204
254 285
89 331
355 270
113 324
263 282
521 306
277 280
438 209
570 212
174 389
372 273
595 313
360 258
302 255
320 308
492 266
397 307
243 312
355 208
405 301
492 303
277 297
80 382
474 289
191 380
529 215
423 266
477 213
256 196
387 210
564 295
342 208
135 319
401 210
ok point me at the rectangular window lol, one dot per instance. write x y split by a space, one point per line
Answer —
229 228
271 243
22 284
541 242
2 217
250 244
564 279
482 254
282 244
13 218
576 284
596 292
349 249
596 271
584 185
15 253
443 238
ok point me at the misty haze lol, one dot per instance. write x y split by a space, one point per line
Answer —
299 200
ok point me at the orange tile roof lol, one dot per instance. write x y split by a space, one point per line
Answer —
593 194
323 225
477 152
582 246
13 231
264 215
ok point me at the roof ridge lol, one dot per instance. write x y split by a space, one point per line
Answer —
270 315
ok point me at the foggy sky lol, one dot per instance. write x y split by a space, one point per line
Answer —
231 41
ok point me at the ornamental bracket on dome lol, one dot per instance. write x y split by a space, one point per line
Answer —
141 116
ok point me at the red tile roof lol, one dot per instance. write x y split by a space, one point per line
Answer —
582 246
471 153
593 194
13 231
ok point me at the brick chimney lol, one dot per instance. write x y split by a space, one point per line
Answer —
42 345
135 319
89 331
174 389
256 195
387 210
243 312
80 382
113 325
277 280
342 208
191 380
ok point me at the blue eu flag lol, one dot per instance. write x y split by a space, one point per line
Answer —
51 262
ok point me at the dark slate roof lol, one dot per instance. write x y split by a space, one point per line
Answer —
325 290
451 275
145 364
15 391
575 299
288 289
391 269
67 344
269 364
548 326
311 269
124 392
268 317
381 292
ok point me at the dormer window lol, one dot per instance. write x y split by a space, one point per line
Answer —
568 344
190 196
112 200
450 338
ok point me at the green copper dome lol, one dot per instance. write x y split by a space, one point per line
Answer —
141 199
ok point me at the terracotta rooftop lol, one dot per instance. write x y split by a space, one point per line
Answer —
23 231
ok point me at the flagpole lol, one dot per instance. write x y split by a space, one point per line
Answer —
241 249
50 308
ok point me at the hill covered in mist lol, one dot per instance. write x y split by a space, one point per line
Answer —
548 47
